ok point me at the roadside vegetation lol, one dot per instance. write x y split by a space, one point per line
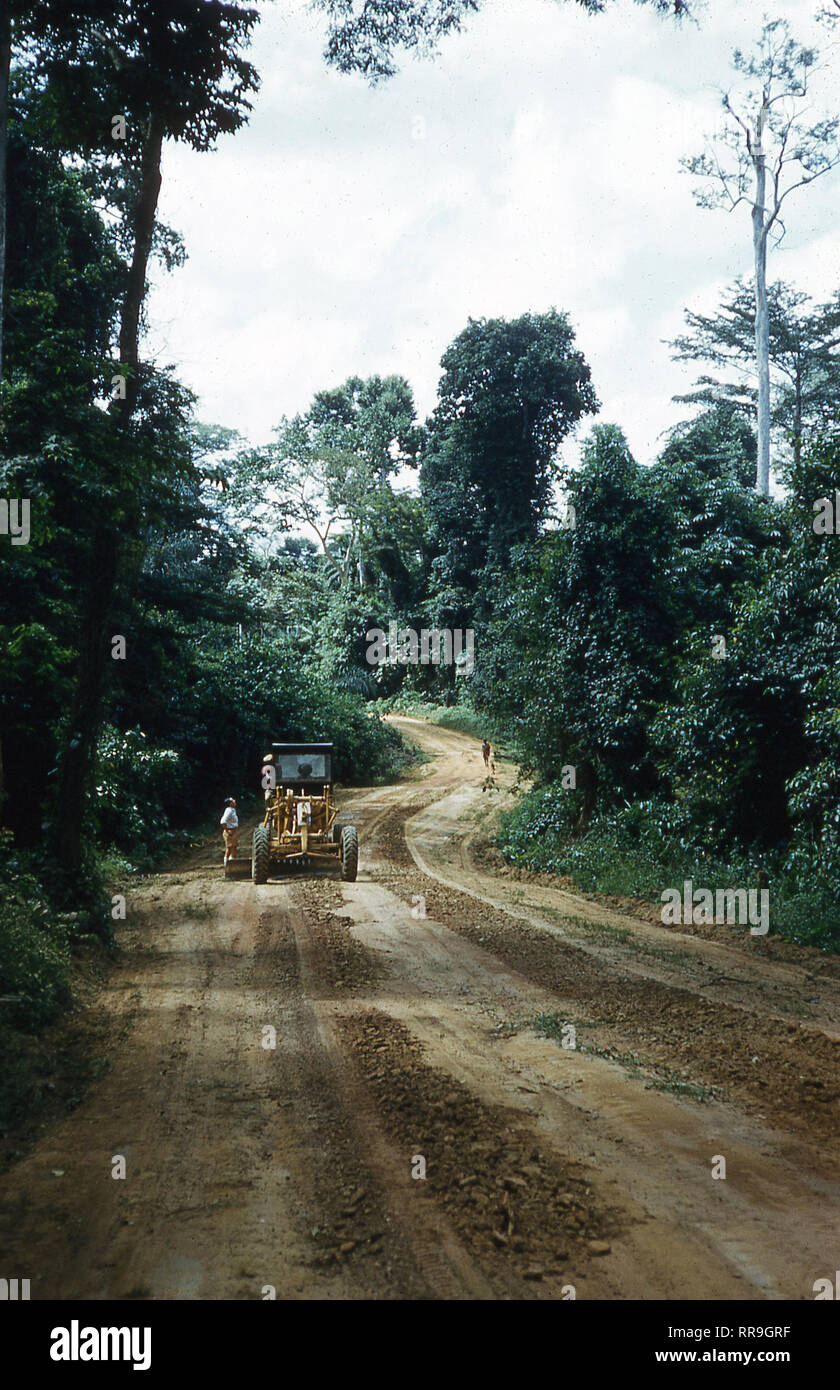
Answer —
655 644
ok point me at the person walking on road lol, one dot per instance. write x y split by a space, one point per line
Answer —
230 830
485 749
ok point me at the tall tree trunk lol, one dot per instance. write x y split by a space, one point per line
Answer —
797 416
84 721
5 68
85 718
135 292
762 315
348 555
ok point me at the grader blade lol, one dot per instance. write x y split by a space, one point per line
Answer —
238 868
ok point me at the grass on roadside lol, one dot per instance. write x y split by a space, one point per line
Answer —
556 1027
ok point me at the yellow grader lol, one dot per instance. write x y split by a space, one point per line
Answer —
301 826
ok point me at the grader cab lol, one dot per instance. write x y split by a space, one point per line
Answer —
301 826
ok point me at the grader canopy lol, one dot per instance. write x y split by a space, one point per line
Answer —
301 826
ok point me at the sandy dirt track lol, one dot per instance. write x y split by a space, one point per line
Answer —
418 1019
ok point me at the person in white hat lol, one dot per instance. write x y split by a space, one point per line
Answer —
230 829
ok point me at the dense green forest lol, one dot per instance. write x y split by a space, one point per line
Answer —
656 644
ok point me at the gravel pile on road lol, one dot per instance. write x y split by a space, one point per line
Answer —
519 1208
343 963
782 1070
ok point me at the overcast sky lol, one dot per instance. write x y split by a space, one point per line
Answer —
534 163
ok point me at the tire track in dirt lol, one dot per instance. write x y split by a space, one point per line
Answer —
785 1070
243 1170
446 1265
647 1155
524 1214
701 1237
397 1034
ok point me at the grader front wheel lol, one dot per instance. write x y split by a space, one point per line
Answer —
261 855
349 853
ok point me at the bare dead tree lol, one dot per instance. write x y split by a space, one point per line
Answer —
769 146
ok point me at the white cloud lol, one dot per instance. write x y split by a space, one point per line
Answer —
327 239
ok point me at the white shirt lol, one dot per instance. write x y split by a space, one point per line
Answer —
230 819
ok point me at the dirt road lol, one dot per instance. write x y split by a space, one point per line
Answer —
439 1082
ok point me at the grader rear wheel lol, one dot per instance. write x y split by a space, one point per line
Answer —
261 855
349 853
